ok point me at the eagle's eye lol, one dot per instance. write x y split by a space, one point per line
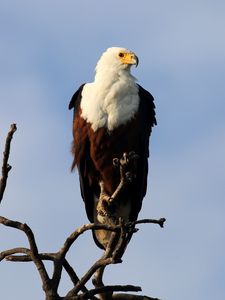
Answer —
121 54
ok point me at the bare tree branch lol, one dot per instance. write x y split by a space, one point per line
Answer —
5 166
8 254
160 222
131 297
109 289
50 286
120 236
73 237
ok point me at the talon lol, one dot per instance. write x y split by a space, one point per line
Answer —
116 162
124 160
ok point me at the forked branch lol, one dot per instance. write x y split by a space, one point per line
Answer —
50 286
112 255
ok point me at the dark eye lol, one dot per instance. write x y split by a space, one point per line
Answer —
121 54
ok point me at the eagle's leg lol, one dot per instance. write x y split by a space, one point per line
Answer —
103 204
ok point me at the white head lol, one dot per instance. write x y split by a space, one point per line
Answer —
115 60
112 99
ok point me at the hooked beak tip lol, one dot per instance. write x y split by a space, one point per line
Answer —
137 61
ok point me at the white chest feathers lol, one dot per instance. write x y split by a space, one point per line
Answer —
110 103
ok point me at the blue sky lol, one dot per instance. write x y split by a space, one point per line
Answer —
47 49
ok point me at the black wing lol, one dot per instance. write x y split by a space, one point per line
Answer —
147 119
75 100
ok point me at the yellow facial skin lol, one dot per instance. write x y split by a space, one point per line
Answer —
128 58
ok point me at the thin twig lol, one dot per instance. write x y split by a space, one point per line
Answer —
122 296
26 258
160 222
9 253
108 289
5 166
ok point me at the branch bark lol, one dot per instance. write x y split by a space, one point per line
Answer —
109 289
50 286
121 234
33 251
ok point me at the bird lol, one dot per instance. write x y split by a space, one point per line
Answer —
113 119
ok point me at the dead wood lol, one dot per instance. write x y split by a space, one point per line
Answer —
120 236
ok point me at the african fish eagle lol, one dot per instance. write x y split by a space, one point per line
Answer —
113 115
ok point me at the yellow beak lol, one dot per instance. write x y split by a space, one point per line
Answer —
129 59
